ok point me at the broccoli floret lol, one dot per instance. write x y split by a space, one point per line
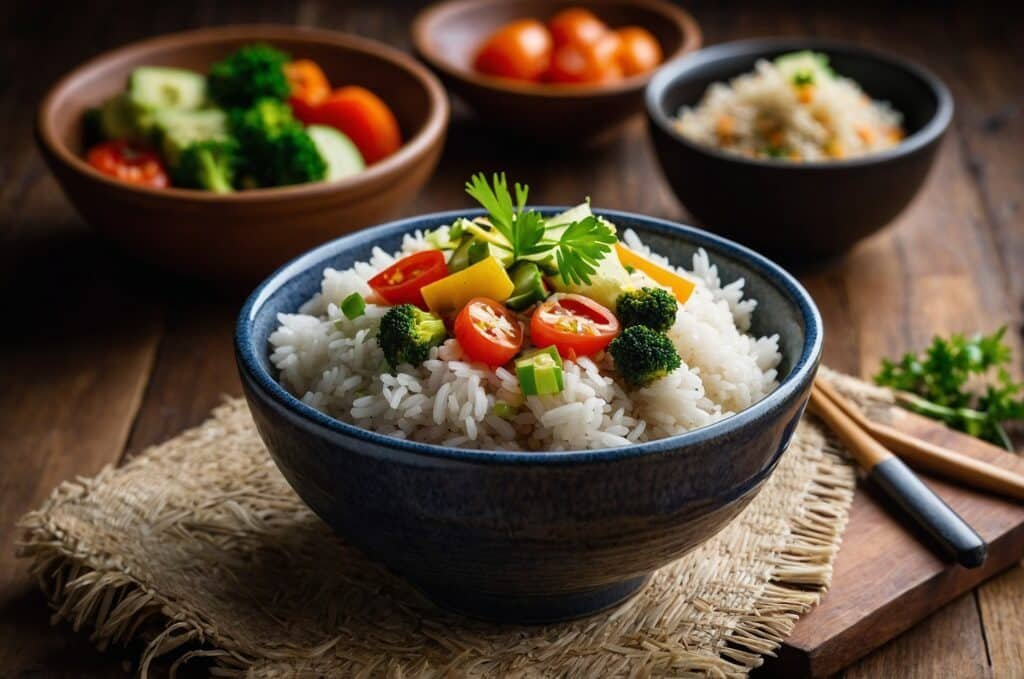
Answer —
275 150
643 355
654 307
251 73
407 334
209 165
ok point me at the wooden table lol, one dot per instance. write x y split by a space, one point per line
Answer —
101 357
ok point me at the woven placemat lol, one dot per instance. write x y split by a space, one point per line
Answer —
199 547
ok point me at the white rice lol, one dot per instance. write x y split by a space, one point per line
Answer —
334 365
764 114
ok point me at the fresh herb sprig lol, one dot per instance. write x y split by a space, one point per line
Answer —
578 247
936 384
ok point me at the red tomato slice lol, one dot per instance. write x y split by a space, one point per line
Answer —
574 324
362 116
129 163
488 332
401 282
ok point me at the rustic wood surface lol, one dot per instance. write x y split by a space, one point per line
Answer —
101 357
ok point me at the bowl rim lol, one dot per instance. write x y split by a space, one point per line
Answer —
670 74
306 416
416 146
423 23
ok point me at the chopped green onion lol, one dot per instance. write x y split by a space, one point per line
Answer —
504 410
353 306
540 372
529 286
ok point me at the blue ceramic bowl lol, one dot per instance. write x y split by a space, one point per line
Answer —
529 537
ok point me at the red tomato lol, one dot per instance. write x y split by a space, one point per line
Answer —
593 63
401 282
488 332
639 51
128 163
520 50
576 26
307 81
574 324
362 116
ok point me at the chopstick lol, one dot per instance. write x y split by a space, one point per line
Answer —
931 457
951 533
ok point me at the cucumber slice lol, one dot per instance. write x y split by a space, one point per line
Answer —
341 155
158 87
176 129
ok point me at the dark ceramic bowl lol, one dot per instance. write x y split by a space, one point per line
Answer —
448 34
798 212
243 236
529 537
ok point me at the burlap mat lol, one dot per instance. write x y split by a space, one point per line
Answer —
199 547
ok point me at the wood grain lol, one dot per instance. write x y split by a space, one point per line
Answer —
115 359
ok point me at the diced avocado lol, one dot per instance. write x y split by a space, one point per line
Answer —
341 155
529 286
177 129
540 372
158 87
119 118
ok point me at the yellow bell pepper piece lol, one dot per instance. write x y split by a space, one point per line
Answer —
486 278
681 287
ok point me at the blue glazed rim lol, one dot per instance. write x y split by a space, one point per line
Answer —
801 372
678 70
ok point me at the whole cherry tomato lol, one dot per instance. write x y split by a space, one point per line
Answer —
128 163
596 62
520 50
401 282
639 51
574 324
576 26
362 116
488 332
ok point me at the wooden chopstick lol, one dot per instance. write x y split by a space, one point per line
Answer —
950 532
931 457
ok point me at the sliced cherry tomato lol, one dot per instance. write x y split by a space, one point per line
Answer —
639 51
131 164
401 282
488 332
362 116
576 26
574 324
307 80
520 50
593 63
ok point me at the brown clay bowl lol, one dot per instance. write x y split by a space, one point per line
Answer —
447 36
243 236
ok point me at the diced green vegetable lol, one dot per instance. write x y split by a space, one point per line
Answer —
177 130
504 410
804 68
529 286
540 372
161 87
353 306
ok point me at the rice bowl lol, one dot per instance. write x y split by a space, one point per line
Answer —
336 365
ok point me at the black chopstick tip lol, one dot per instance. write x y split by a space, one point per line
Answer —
974 557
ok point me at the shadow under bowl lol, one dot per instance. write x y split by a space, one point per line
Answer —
798 213
447 36
243 236
529 536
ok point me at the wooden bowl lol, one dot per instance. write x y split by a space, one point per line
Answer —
243 236
447 36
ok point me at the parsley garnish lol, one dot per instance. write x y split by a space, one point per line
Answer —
935 384
577 249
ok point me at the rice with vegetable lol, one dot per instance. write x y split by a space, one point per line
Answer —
525 333
793 108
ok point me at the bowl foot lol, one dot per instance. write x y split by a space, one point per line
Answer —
533 609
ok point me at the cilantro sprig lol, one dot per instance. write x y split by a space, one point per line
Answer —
938 384
577 248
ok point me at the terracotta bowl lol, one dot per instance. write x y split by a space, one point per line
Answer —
448 34
243 236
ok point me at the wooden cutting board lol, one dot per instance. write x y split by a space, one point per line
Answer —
886 577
